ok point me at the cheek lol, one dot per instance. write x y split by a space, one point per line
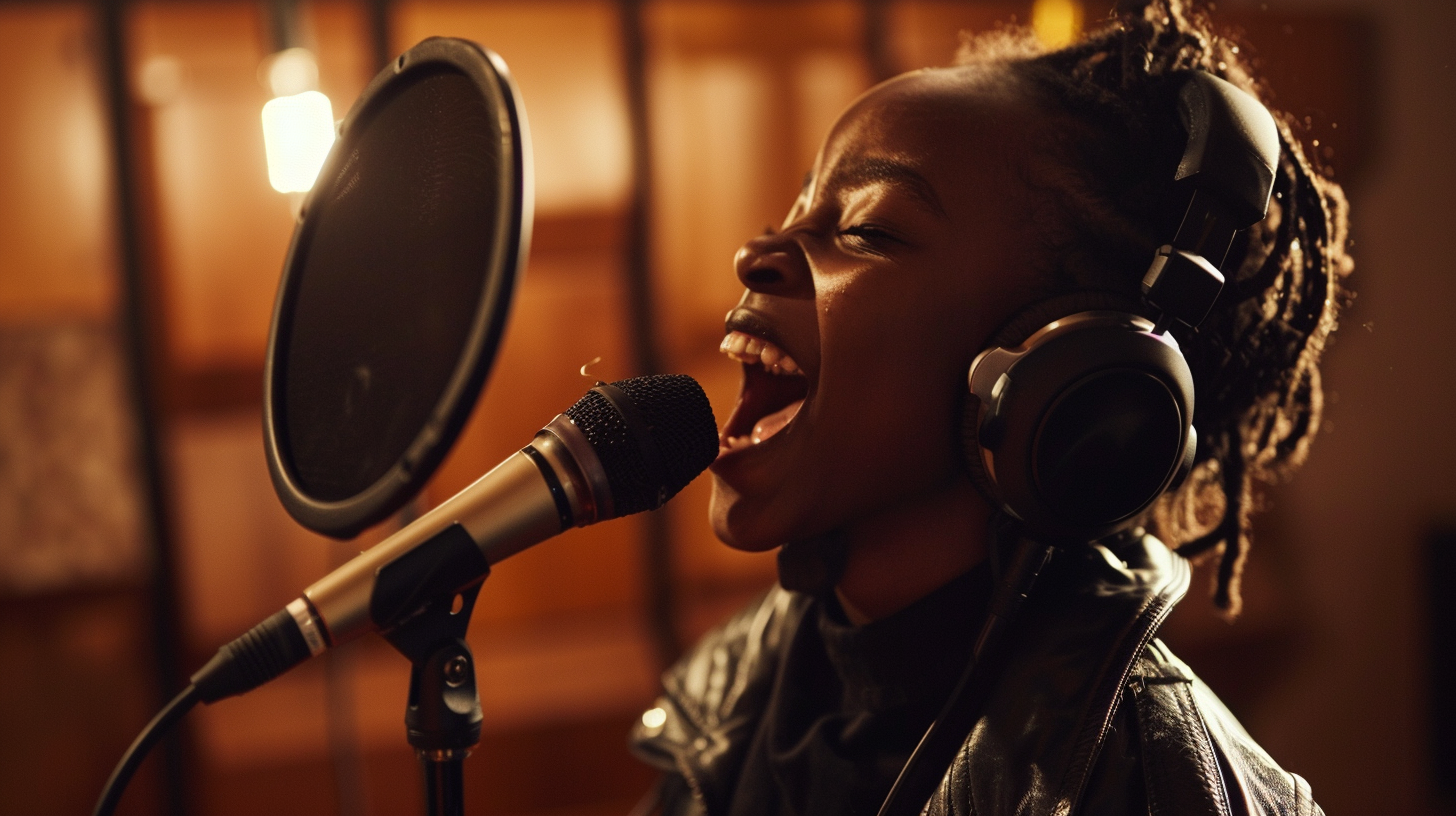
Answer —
897 347
890 392
895 330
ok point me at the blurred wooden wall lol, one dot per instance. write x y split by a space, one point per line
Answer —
740 93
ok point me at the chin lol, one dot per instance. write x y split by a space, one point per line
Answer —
736 524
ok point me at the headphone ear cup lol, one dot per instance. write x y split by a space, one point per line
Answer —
971 451
1084 423
1012 334
1185 467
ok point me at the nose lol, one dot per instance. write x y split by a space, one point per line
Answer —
774 264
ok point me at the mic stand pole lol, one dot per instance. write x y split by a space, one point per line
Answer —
442 718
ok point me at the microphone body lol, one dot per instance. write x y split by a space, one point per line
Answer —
535 494
623 448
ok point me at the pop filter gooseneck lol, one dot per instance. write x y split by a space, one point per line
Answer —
397 286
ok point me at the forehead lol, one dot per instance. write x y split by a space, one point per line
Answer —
946 126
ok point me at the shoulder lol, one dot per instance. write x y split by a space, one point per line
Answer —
1169 698
1091 714
1195 756
712 698
729 669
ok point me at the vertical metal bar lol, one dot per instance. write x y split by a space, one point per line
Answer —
637 260
342 730
142 355
283 29
379 35
877 40
444 786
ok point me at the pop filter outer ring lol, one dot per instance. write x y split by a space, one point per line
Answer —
509 247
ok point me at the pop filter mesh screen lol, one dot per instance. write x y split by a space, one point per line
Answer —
391 281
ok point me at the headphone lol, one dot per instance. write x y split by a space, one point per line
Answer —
1083 409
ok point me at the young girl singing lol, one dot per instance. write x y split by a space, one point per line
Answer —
949 211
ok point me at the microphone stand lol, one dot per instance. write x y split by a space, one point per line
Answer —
442 716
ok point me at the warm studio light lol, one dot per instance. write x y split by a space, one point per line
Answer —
654 717
1056 22
298 126
298 131
292 71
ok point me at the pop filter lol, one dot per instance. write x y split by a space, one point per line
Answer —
397 286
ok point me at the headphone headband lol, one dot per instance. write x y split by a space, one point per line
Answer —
1233 146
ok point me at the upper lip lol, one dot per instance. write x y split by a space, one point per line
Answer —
764 391
748 321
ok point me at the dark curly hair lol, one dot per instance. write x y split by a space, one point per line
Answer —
1255 359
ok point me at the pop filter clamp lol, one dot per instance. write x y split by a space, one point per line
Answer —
390 309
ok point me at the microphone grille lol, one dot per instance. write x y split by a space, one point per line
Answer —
652 435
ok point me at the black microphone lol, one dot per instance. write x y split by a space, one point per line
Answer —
623 448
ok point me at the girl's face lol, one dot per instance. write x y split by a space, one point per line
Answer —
908 246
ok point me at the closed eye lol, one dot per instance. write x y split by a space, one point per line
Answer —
870 236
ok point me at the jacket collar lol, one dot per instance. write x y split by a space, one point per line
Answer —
1091 614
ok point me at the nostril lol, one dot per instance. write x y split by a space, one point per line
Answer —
762 276
771 263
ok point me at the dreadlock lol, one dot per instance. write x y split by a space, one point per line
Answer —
1255 359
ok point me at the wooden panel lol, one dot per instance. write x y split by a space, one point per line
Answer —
695 28
580 768
1318 67
928 33
240 557
221 229
529 675
741 94
565 58
75 688
56 256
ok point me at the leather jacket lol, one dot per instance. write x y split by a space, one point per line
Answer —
1091 714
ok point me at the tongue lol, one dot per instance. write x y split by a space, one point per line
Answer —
775 422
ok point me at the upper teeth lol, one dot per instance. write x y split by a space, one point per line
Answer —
749 349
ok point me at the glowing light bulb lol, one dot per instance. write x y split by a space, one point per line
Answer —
292 71
298 131
654 717
1057 23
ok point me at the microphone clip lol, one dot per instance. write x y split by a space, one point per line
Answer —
443 716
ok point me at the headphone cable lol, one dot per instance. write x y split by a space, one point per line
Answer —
927 765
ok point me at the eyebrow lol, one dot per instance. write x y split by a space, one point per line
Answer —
865 171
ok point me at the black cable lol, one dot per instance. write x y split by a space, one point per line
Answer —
261 654
132 759
927 764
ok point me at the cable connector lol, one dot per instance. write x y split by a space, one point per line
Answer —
261 654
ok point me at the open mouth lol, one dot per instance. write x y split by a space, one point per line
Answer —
774 388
